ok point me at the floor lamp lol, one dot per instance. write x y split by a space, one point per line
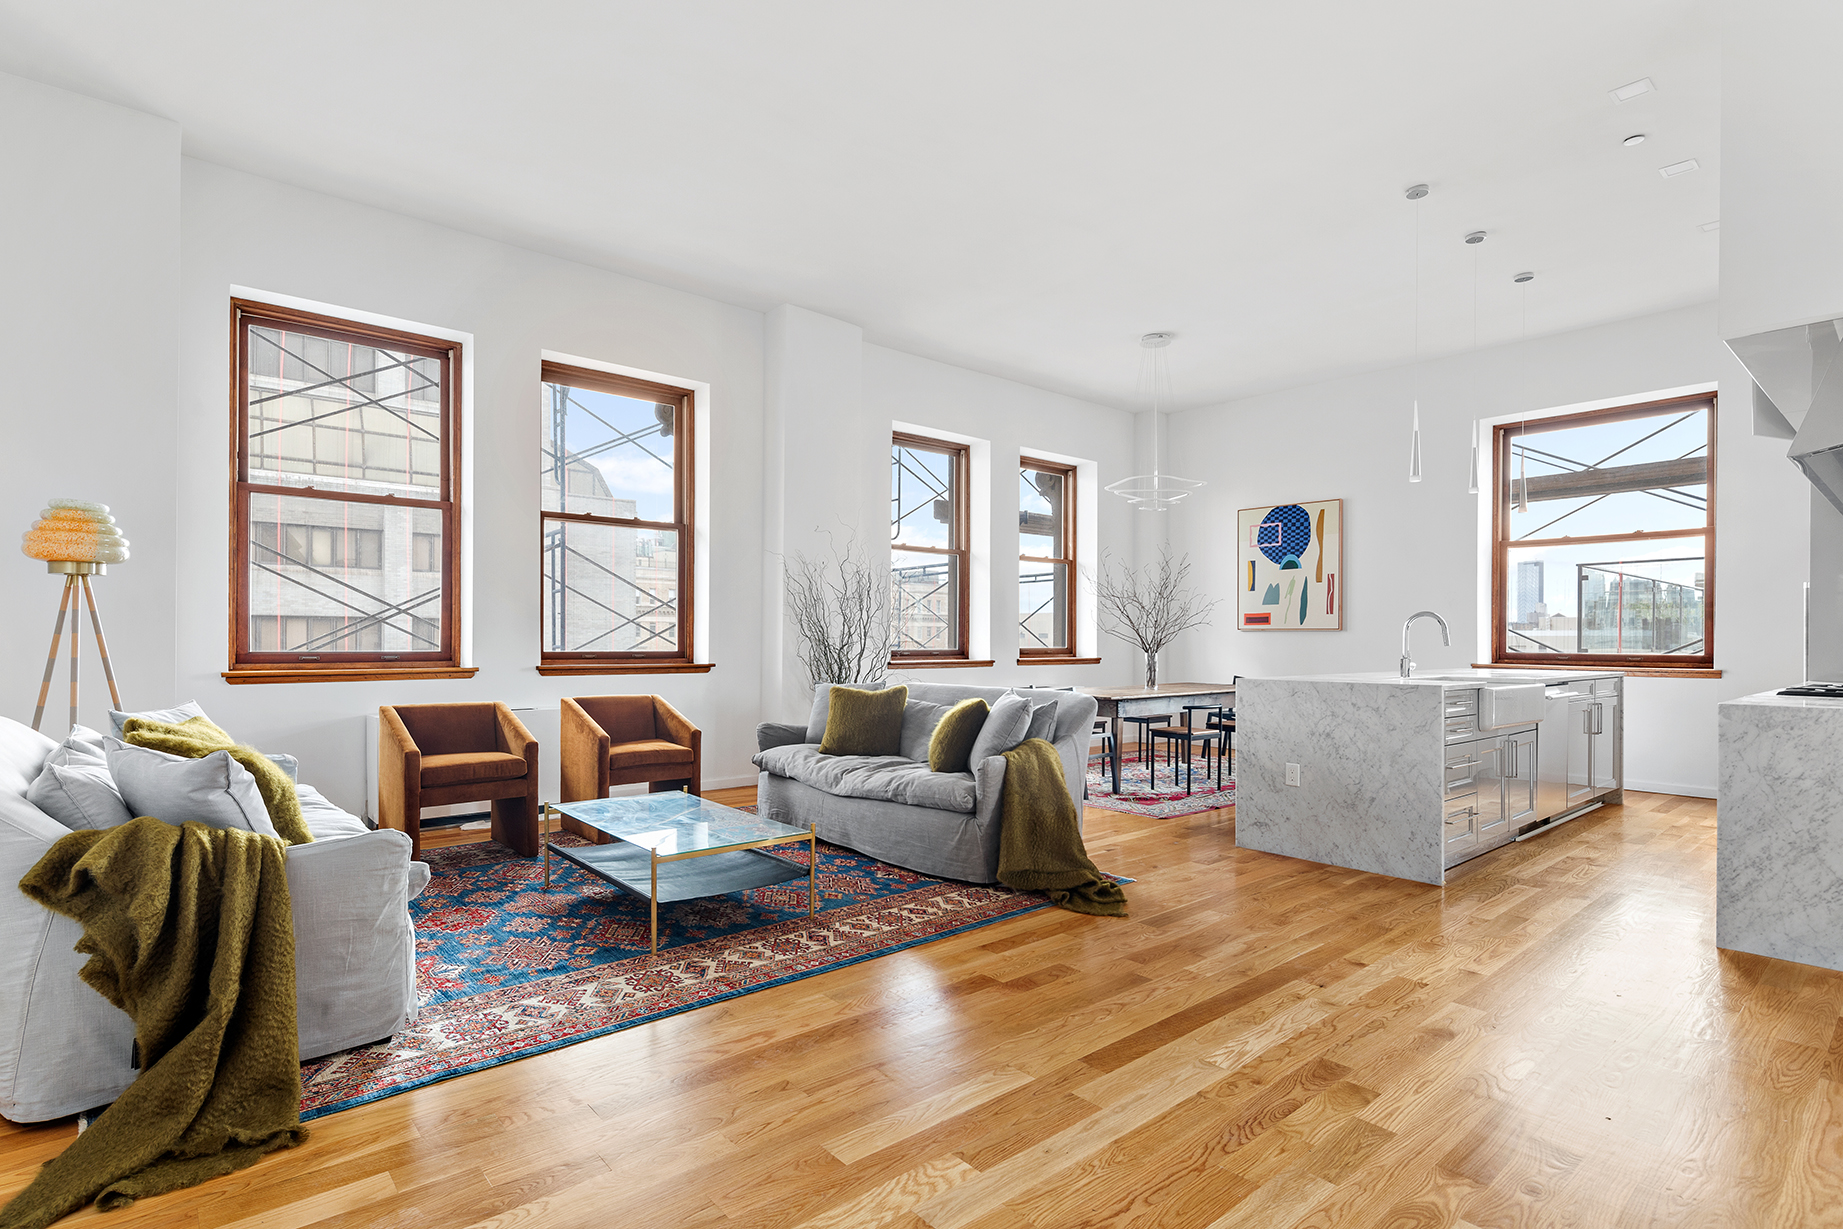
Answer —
77 540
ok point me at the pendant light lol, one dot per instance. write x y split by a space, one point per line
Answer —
1523 280
1416 194
1156 491
1472 482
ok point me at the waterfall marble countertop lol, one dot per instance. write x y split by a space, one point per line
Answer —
1779 828
1371 753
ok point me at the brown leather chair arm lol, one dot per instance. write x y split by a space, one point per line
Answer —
514 738
583 766
673 727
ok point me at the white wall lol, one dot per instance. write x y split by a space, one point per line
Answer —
1413 546
1014 419
800 413
240 230
1781 179
89 275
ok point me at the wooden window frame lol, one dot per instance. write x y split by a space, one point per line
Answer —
677 660
958 551
247 666
1700 664
1067 653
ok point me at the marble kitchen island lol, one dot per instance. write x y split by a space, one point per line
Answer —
1779 829
1391 771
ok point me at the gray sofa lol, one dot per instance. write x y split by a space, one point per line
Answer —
65 1049
891 807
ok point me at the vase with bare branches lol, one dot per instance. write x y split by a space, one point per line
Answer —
839 604
1147 607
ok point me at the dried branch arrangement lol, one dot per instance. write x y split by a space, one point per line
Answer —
840 607
1147 607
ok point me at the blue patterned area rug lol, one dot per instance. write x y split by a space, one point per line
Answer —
1168 801
505 970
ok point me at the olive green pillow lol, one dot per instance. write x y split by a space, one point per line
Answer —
862 722
953 737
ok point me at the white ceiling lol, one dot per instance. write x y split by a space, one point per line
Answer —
1019 187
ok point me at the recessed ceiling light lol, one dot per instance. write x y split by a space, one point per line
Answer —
1477 236
1708 226
1637 138
1417 191
1523 277
1626 93
1679 168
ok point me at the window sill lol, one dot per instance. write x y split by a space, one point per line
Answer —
1643 672
367 673
936 663
1046 660
625 667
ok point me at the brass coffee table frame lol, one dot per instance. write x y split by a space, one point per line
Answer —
810 836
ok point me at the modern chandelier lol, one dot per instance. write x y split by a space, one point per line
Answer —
1156 491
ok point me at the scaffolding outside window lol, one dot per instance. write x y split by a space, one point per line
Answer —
928 548
1046 559
345 499
1604 537
615 520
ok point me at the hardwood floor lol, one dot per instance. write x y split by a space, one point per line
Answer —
1553 1039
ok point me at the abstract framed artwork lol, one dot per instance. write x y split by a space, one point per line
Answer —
1291 568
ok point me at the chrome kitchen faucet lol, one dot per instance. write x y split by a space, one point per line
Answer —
1407 663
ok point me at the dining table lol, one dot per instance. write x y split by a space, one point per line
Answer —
1118 703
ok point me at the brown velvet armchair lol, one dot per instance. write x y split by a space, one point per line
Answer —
432 755
624 740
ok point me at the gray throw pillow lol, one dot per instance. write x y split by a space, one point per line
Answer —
79 796
172 716
1042 722
1003 729
919 718
215 790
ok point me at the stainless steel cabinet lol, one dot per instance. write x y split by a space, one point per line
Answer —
1518 759
1578 755
1603 744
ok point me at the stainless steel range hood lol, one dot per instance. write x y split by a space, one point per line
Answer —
1798 392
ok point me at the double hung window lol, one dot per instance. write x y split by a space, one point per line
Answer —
928 548
616 531
1046 559
345 501
1604 551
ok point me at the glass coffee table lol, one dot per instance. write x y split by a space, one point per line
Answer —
677 846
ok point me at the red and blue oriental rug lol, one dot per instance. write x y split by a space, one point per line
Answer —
505 970
1164 798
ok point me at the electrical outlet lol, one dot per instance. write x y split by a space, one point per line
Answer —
1292 774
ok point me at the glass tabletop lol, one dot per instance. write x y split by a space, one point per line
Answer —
675 823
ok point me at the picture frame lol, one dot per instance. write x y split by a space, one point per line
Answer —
1289 573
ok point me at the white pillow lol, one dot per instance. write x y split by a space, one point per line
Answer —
79 796
1004 729
288 764
172 716
214 790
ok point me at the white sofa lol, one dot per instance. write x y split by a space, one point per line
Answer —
65 1049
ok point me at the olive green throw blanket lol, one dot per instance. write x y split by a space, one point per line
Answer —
188 930
1040 847
198 737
